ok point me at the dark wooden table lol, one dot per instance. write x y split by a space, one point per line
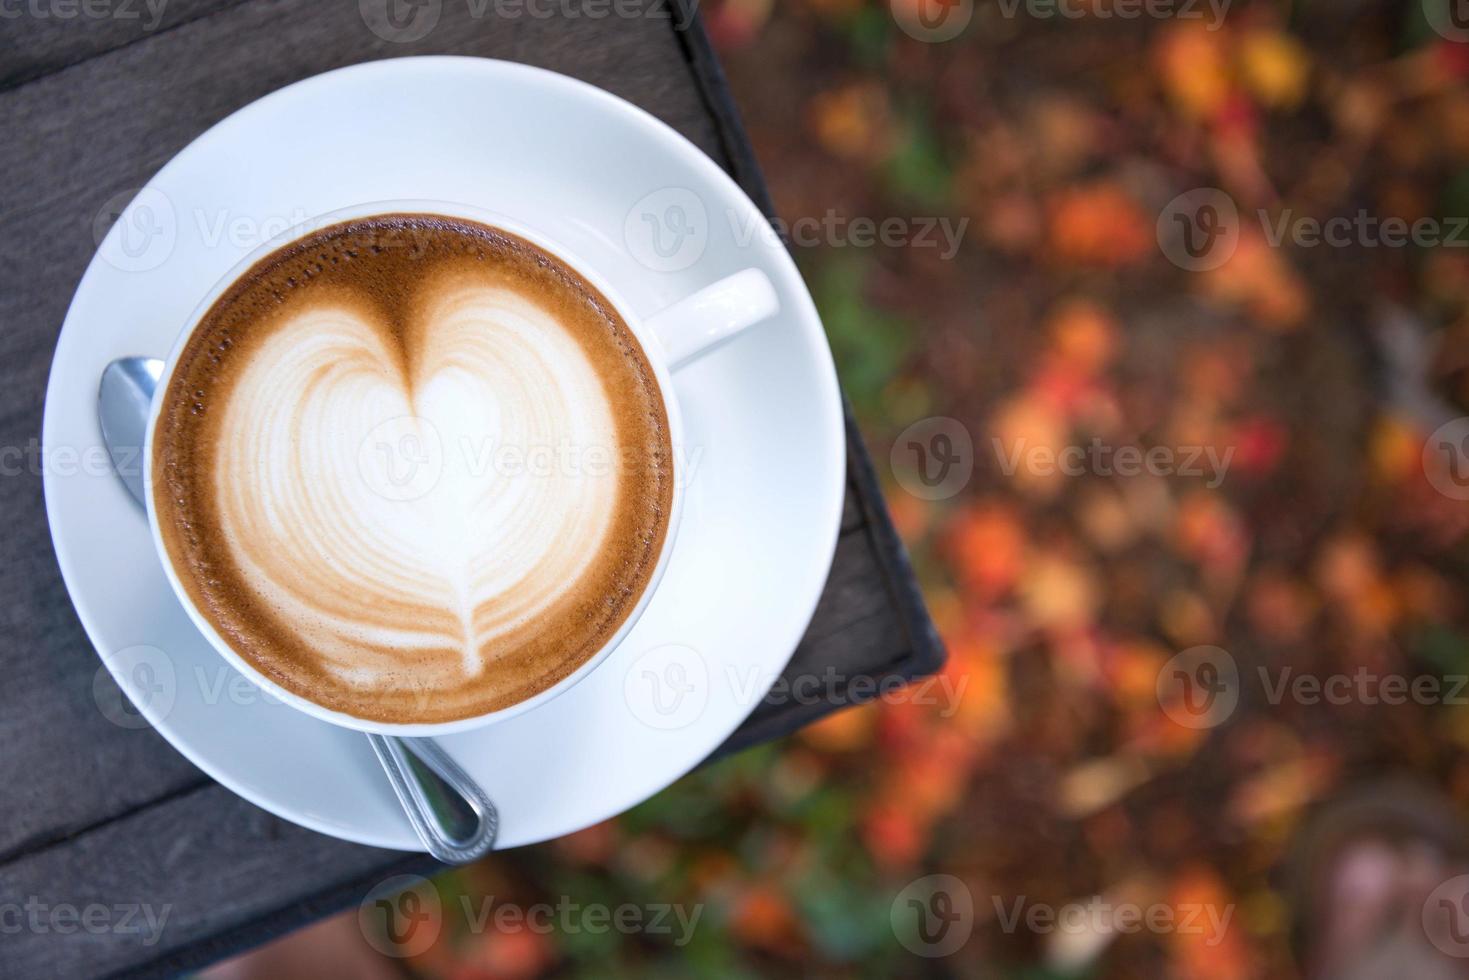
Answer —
91 105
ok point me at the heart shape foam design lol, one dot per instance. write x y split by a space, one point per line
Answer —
375 501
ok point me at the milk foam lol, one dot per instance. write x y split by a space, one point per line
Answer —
329 432
413 469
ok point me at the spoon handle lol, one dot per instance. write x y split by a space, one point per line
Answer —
450 813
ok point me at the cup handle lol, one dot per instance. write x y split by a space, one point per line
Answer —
697 324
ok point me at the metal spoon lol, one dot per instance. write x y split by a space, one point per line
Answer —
452 816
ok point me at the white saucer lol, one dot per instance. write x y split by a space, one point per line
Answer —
763 420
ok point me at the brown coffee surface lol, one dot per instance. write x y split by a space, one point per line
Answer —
413 468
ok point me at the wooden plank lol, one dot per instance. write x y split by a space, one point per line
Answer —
42 36
192 870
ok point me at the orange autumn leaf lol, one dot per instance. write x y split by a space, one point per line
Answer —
1084 336
1209 531
930 784
1258 277
1348 568
1193 68
911 515
900 726
977 682
763 917
1158 734
735 23
1282 790
854 122
1186 619
987 549
1280 607
1060 593
1275 67
1133 672
1210 942
1026 435
842 731
712 871
1098 225
894 835
1395 450
1423 593
593 845
1092 786
1105 519
512 954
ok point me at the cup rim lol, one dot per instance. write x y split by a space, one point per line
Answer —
651 348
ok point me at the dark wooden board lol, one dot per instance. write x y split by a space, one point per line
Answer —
93 813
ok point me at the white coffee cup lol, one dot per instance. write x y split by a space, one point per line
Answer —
671 338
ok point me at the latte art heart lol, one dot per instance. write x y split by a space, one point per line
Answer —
335 452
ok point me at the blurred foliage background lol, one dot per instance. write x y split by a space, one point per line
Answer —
1056 776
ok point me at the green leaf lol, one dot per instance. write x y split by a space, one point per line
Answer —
869 344
918 169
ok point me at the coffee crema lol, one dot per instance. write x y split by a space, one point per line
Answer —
413 468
